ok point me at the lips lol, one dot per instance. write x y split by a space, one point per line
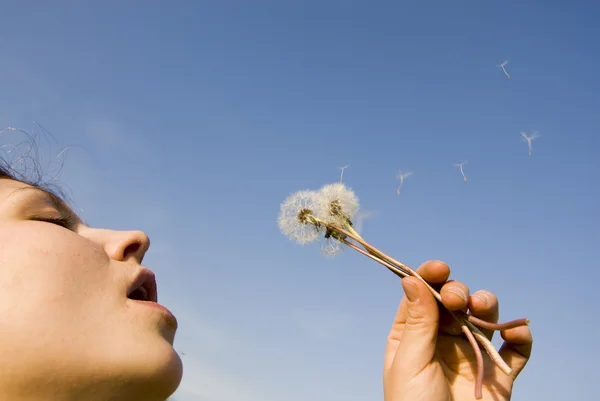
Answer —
143 287
143 291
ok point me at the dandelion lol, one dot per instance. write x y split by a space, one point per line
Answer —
342 175
337 203
529 138
331 247
461 169
402 176
297 217
503 69
305 215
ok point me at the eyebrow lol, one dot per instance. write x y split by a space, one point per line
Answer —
58 203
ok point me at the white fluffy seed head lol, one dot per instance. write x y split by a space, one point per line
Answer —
331 247
336 203
295 217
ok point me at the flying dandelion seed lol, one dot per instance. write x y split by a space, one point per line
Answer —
503 69
402 176
336 203
461 169
296 217
529 139
342 175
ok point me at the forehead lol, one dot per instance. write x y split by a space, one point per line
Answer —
10 186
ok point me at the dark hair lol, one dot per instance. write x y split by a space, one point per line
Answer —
7 172
26 166
23 161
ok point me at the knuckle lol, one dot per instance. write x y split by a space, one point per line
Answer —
490 299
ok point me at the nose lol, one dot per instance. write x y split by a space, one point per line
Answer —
126 245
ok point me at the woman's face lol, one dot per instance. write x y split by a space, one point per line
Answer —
69 328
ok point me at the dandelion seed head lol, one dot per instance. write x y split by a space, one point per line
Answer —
337 203
331 247
296 217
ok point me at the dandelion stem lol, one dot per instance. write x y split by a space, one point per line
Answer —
497 326
398 272
490 349
468 322
355 236
463 324
478 360
330 211
475 320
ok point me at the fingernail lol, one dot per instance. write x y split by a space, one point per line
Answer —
459 292
411 291
483 297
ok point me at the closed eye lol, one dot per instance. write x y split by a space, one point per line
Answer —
59 221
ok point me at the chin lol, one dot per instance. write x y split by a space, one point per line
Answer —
157 373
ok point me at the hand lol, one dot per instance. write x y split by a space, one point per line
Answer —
428 359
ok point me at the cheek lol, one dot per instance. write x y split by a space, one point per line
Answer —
50 274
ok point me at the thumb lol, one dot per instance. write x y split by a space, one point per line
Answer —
419 337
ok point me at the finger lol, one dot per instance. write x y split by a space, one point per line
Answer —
484 305
516 349
417 344
455 296
395 335
434 272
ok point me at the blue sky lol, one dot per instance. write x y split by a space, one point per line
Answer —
193 122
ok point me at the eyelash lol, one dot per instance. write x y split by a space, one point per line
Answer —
59 221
